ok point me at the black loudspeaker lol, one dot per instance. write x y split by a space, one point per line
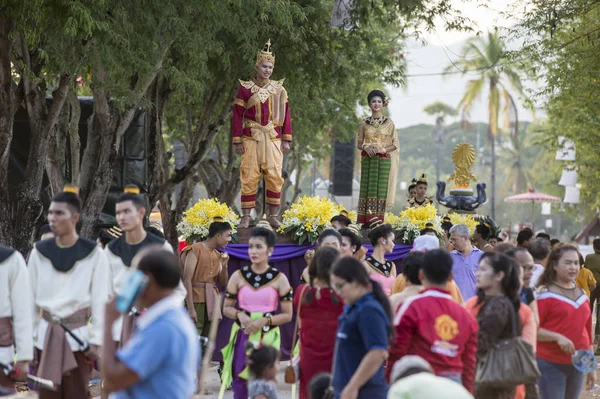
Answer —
343 168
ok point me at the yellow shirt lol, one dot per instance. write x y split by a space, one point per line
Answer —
585 279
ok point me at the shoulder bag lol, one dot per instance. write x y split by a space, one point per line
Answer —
509 362
292 371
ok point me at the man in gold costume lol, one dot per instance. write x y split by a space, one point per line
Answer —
262 133
420 199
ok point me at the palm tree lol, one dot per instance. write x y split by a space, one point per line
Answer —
483 57
440 110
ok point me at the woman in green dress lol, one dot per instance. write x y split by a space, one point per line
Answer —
378 141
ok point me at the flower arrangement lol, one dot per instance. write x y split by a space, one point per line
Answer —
195 221
466 219
307 218
411 221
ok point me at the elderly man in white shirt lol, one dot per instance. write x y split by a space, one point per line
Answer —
16 316
70 280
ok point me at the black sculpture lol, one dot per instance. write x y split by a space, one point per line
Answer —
461 202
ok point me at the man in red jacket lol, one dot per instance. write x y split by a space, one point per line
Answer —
432 325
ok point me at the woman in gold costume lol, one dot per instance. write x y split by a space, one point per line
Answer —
378 141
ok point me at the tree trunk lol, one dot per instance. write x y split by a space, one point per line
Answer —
493 180
74 140
41 122
6 128
98 160
57 145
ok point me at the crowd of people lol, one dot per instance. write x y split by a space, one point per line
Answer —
129 307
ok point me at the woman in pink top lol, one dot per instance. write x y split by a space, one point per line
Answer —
258 289
381 270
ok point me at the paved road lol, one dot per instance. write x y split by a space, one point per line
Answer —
214 385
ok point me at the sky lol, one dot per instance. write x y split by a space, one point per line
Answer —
407 103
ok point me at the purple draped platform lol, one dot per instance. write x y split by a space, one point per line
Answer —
289 259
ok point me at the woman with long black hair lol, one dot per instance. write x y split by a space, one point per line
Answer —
364 333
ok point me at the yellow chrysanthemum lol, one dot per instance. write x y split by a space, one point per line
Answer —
308 217
197 219
457 218
411 221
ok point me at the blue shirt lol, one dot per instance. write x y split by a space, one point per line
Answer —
164 352
464 271
362 327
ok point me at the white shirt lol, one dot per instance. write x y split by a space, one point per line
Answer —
120 273
87 284
537 273
16 301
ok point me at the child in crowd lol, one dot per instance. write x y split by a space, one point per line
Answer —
320 387
263 365
585 278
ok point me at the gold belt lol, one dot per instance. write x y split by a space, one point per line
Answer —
264 135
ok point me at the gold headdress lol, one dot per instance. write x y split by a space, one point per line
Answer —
422 179
265 55
218 219
375 222
264 223
115 232
157 226
344 213
70 188
131 189
354 228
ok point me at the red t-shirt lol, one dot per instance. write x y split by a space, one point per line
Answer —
432 325
562 315
319 324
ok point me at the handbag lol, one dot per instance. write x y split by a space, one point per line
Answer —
292 371
508 363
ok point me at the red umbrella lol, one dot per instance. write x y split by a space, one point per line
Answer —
533 197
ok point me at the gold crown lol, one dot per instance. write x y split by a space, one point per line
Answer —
115 231
265 55
70 188
131 190
344 213
423 178
218 219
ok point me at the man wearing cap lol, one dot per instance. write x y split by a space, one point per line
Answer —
16 317
70 281
204 267
130 212
414 378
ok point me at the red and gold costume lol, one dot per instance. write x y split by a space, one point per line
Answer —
261 120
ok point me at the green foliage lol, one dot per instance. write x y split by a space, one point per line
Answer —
562 39
440 109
